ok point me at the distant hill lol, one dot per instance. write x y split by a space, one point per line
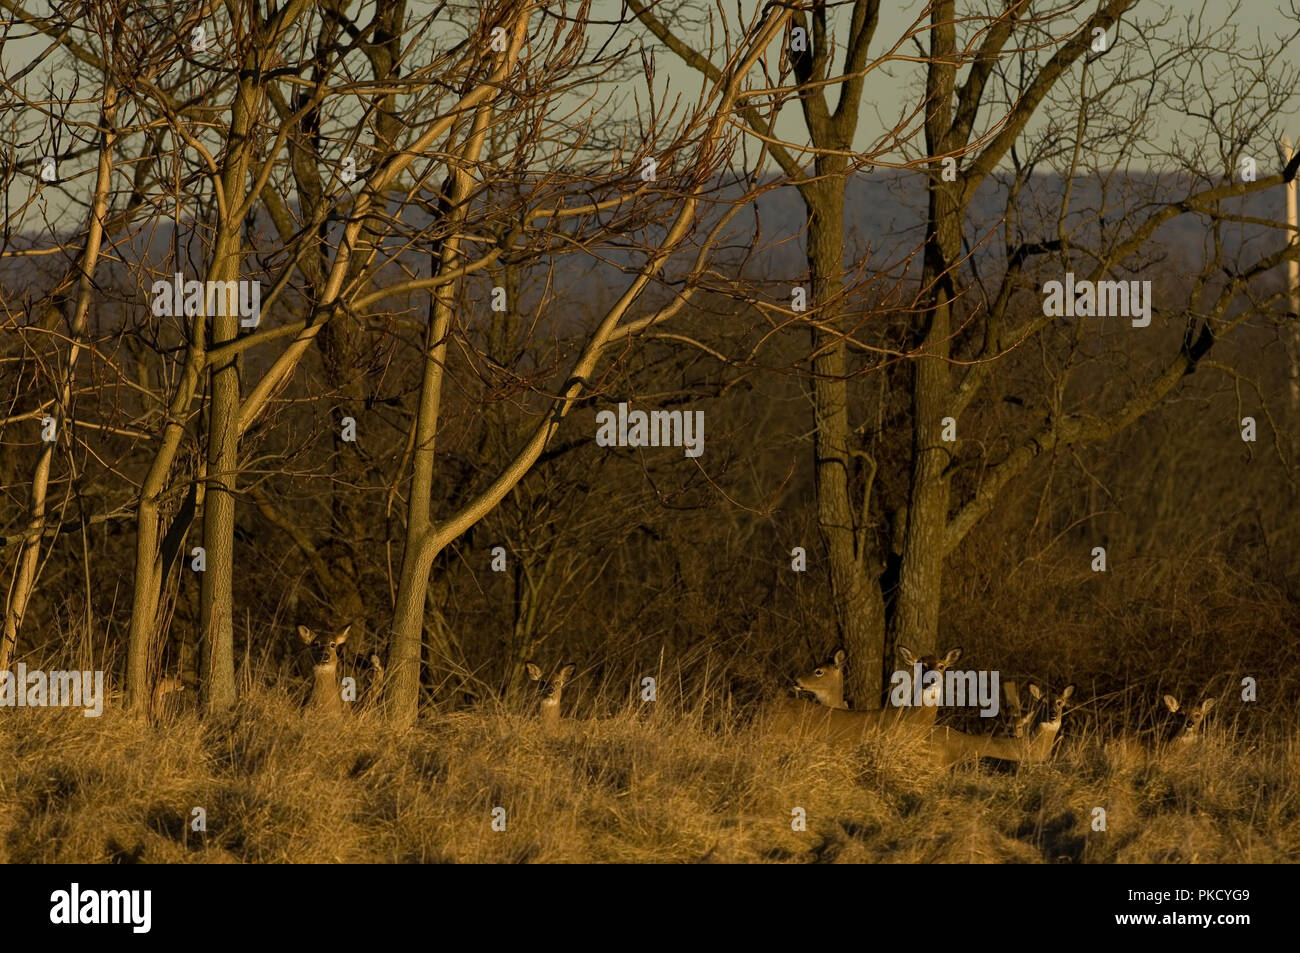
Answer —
884 218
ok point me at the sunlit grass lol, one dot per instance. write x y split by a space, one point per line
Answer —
278 785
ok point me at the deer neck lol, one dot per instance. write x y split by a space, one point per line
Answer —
550 711
931 699
832 699
1040 746
325 689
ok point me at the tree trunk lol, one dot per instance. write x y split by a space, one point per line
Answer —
916 621
402 683
921 579
216 589
146 589
917 617
855 589
402 680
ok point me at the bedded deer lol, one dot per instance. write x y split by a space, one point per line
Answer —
830 718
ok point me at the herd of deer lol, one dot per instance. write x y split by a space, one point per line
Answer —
827 718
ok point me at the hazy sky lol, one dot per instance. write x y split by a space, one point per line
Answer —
897 83
887 89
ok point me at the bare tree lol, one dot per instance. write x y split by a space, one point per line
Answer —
699 150
979 96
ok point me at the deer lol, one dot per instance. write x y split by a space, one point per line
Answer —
831 719
325 694
166 700
550 691
1020 718
949 746
1194 720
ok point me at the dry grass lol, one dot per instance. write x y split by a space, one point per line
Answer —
281 786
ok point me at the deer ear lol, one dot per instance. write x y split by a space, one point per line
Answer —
306 634
1171 703
952 656
906 655
534 672
840 656
1207 705
1069 691
568 670
343 636
1035 691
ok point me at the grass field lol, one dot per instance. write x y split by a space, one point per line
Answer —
277 784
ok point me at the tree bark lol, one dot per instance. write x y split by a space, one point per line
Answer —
216 588
916 619
857 601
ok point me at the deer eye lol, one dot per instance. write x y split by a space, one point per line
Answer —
819 672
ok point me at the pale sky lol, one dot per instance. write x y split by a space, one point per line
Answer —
888 87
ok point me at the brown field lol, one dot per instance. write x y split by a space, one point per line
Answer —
682 780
